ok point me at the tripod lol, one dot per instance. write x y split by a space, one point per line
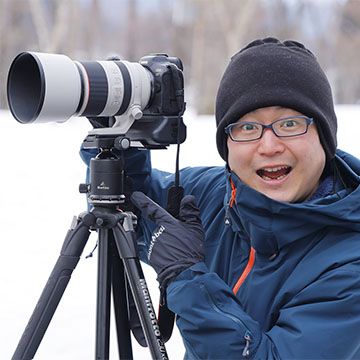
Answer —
118 267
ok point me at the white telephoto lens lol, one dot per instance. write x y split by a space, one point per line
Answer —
115 88
62 88
43 87
50 87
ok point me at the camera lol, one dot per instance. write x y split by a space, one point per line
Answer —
144 100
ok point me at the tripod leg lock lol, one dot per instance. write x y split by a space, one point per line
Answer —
87 218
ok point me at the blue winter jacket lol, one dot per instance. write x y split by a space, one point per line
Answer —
280 281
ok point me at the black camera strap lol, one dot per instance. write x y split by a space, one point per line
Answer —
176 192
166 317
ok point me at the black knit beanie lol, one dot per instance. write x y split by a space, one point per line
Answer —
268 72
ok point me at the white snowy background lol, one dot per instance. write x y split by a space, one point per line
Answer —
40 173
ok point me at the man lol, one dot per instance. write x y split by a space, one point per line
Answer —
270 265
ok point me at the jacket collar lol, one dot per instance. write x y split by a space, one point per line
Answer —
271 225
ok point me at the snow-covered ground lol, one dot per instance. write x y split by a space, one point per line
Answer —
40 174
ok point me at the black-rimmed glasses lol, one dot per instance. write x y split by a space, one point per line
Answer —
286 127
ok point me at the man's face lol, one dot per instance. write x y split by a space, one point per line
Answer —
284 169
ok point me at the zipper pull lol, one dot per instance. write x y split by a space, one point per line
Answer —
227 217
246 351
162 301
230 204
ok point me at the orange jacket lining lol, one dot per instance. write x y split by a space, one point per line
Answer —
246 271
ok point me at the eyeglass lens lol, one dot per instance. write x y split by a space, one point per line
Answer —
283 127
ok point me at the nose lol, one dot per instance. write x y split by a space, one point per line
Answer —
270 144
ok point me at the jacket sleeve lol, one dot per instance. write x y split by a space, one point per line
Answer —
214 324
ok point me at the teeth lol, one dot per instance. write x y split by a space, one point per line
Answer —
265 170
267 178
274 168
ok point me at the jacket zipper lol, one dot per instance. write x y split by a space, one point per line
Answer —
247 270
243 276
230 203
247 335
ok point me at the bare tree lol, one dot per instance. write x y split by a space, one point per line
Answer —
347 54
234 28
3 46
220 29
51 35
131 34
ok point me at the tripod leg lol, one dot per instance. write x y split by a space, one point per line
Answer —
120 305
126 244
73 246
103 297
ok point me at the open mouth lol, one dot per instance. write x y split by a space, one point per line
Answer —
274 173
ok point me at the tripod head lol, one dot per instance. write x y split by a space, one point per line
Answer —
107 171
108 183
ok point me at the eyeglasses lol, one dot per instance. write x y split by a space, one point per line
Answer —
286 127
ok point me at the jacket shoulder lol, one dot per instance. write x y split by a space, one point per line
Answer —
207 184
